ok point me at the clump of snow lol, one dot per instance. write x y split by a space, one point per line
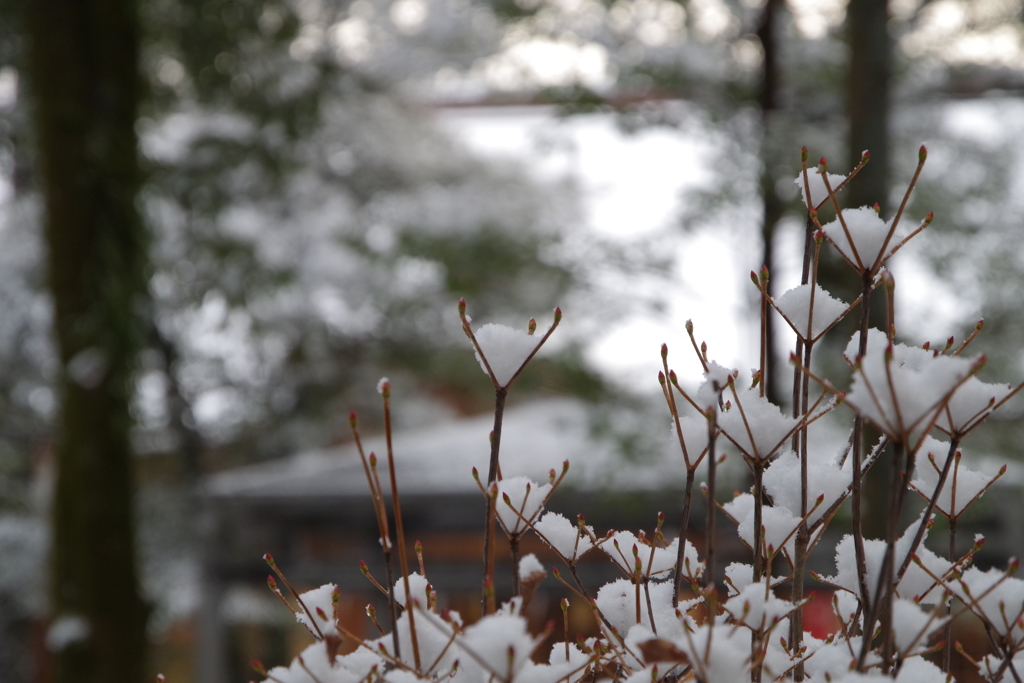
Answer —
564 536
500 643
525 497
654 561
320 604
962 485
757 607
912 626
418 585
779 524
816 186
905 393
795 307
824 477
996 597
715 381
618 603
755 425
916 583
868 231
67 630
695 438
972 402
506 350
528 565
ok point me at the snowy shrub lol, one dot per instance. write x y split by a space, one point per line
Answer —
670 617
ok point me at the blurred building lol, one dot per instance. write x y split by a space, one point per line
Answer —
313 513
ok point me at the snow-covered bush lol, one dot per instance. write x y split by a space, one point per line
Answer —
671 617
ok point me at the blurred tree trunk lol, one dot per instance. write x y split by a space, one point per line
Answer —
773 208
868 99
867 107
85 86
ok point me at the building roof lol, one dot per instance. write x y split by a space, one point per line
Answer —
536 437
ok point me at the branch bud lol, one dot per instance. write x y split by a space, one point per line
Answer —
531 327
865 156
558 315
269 559
689 327
922 154
352 421
664 350
462 307
764 273
804 154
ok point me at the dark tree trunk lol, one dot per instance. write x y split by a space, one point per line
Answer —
768 99
868 100
867 106
85 87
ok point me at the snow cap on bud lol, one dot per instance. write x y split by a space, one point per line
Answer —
865 156
532 327
371 610
564 604
922 154
804 154
581 521
160 678
661 518
352 421
269 559
384 387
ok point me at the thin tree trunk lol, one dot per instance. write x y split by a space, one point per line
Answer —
85 87
768 99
